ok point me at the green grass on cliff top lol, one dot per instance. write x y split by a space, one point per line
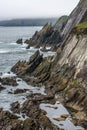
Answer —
81 26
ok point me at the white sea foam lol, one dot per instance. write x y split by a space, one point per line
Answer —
3 51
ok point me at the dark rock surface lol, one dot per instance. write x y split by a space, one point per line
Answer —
19 41
1 88
47 36
79 14
15 107
9 81
19 91
61 22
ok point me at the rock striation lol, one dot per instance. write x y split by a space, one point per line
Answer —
47 36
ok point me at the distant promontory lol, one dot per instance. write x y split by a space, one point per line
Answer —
28 22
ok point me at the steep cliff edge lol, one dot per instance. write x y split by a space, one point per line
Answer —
61 22
79 14
75 50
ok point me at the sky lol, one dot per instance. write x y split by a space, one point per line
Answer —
10 9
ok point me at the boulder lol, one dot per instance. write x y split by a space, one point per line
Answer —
18 91
19 41
9 81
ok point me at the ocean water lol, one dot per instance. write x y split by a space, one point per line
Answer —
10 52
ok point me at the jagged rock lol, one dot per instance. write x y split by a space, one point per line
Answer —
18 91
34 56
9 81
79 14
31 108
48 35
22 68
19 41
61 22
15 107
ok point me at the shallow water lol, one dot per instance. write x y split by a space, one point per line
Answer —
56 113
7 98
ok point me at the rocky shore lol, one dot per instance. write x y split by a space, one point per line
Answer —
64 77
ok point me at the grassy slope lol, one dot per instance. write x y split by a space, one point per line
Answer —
82 25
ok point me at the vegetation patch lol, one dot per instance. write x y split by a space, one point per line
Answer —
82 25
81 28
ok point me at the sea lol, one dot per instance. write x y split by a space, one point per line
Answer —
11 53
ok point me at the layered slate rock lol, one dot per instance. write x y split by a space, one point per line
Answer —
79 14
61 22
47 36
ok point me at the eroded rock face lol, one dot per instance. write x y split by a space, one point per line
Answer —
79 14
15 107
18 91
48 35
22 68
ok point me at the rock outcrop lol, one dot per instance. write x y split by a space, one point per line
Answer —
61 22
9 81
47 36
79 14
19 41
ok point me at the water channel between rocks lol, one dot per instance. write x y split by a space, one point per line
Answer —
53 111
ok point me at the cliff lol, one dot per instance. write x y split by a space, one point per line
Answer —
65 74
79 14
61 22
47 36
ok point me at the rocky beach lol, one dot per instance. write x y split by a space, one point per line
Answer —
47 90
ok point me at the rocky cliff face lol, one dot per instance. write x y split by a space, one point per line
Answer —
75 51
61 22
66 72
79 14
47 36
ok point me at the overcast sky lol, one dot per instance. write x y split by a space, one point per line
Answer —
35 8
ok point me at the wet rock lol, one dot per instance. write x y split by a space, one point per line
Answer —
59 119
26 68
19 41
18 91
65 115
15 107
34 56
41 98
19 67
9 81
1 88
6 116
31 108
30 124
46 124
